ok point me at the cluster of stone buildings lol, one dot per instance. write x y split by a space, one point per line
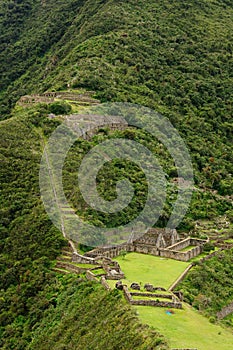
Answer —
82 98
156 241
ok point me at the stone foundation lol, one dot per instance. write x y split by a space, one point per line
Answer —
172 302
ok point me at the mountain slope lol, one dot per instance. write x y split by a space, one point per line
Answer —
175 57
29 291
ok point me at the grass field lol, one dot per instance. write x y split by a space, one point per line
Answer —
187 328
144 268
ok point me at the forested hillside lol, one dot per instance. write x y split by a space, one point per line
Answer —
174 57
30 291
209 287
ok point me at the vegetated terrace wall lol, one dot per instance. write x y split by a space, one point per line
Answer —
70 267
91 277
227 310
82 259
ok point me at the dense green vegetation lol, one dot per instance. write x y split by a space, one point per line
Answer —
70 313
203 204
30 292
28 239
175 57
93 319
209 286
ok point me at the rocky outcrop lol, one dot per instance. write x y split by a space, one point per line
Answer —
227 310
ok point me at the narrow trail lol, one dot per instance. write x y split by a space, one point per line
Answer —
54 190
84 126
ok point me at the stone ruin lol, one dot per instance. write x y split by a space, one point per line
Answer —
113 269
135 286
82 98
175 251
152 299
156 241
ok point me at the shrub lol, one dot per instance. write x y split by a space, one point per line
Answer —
60 108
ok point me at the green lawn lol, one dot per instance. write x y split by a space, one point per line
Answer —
144 268
187 248
84 266
187 328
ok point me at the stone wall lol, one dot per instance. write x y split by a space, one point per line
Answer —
81 259
167 304
143 249
152 243
174 251
30 100
180 245
181 256
90 276
198 241
49 97
127 294
105 283
110 252
157 237
113 270
113 252
70 267
180 278
184 349
189 241
152 295
175 303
